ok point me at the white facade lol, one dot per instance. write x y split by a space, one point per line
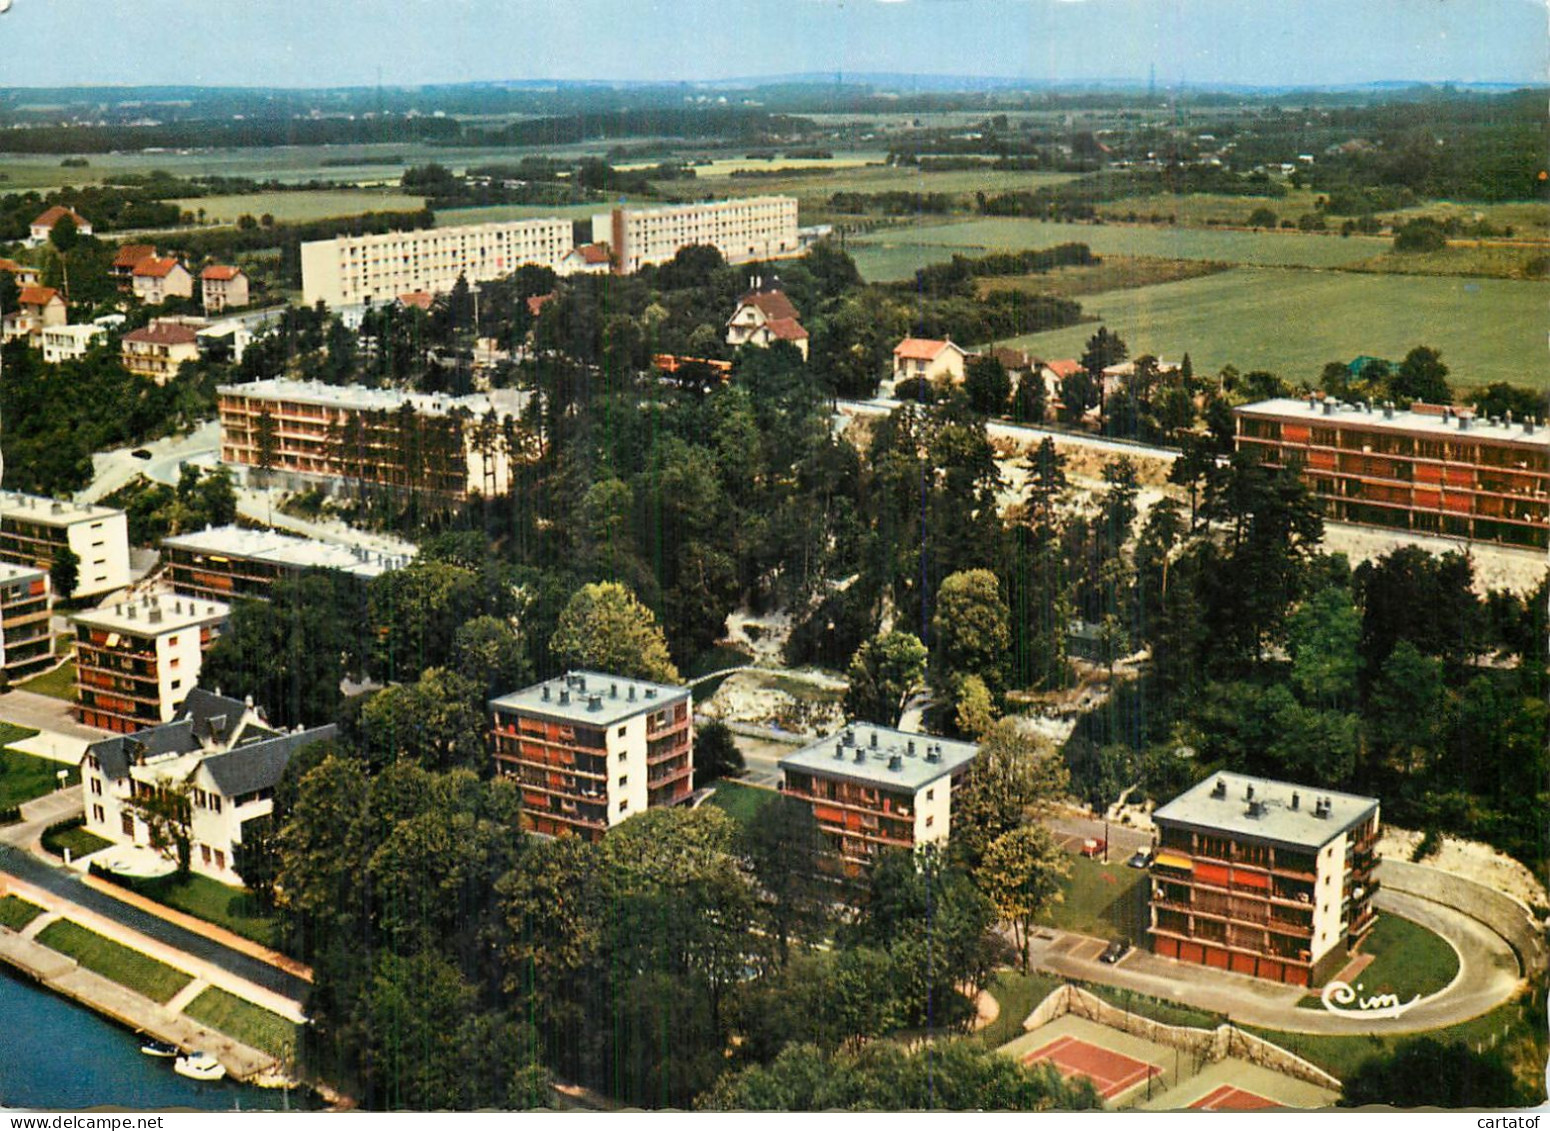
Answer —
379 268
67 343
136 661
32 528
743 230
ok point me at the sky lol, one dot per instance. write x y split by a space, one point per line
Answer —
302 43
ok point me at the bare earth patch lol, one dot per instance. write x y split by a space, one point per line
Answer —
1471 860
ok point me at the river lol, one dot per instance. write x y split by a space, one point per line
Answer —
58 1055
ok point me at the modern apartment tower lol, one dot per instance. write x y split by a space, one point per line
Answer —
743 230
33 529
26 606
136 661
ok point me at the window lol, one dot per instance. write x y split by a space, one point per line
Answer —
204 853
621 732
622 754
930 821
96 787
624 780
177 683
220 858
624 803
172 642
930 795
97 814
127 823
215 803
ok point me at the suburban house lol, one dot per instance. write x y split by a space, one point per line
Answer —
1016 363
125 260
1054 374
156 279
1264 877
25 276
26 638
218 748
420 300
43 226
929 359
585 259
224 563
223 287
137 660
37 309
69 342
873 788
33 529
764 316
156 351
590 750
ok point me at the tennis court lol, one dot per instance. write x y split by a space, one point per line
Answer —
1112 1073
1225 1097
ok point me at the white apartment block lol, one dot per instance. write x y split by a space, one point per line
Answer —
68 343
26 637
221 749
379 268
136 661
33 528
743 230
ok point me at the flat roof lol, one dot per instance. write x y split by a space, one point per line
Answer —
362 398
594 698
51 512
880 756
1226 810
9 571
691 205
286 550
452 231
1432 423
153 615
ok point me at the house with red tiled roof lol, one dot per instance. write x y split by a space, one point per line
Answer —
1054 373
421 300
37 309
765 316
156 351
25 276
223 287
156 280
124 261
536 303
929 359
43 226
585 259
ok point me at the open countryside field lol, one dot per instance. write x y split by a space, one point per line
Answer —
1292 322
897 253
301 206
453 217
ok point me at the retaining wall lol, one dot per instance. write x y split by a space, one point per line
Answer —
1503 914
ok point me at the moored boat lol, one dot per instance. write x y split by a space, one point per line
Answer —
151 1047
199 1066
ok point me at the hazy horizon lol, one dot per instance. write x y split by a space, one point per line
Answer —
337 43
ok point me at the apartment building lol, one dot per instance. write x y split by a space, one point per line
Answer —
158 350
220 749
1433 469
223 287
155 279
743 230
225 563
873 788
590 750
1264 877
306 433
32 530
137 660
69 342
378 268
26 638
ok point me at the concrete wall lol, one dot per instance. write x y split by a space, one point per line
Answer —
1503 914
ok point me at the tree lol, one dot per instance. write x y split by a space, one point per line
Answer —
604 628
976 709
783 845
64 573
1321 636
1426 1072
491 654
1015 772
1021 873
64 237
168 812
1103 350
882 674
1262 217
715 753
416 611
987 385
437 721
970 631
1421 377
1405 707
1028 403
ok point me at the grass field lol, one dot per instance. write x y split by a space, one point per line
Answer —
57 684
80 842
741 802
452 217
1105 900
1292 322
114 961
214 902
16 913
243 1021
1198 208
1490 260
26 776
1114 273
897 253
295 207
1016 994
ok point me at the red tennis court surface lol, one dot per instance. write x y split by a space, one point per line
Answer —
1111 1072
1225 1097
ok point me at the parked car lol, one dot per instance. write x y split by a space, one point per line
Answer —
141 453
1142 858
1091 847
1117 949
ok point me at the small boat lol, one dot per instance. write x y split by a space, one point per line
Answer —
158 1048
199 1066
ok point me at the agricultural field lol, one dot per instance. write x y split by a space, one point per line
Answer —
1200 209
1292 322
489 214
1115 272
1487 259
301 206
897 253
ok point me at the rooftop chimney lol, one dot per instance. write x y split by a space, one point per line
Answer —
1329 408
1463 423
839 750
1296 800
594 702
895 762
912 746
613 691
850 736
860 755
873 743
1255 809
651 693
1219 790
1388 410
933 753
565 697
1248 793
546 693
631 696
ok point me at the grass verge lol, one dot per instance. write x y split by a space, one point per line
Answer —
16 912
24 777
1016 994
243 1021
226 906
1103 900
74 837
115 961
741 802
56 684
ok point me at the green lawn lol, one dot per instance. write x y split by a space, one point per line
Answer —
1407 960
243 1021
16 912
1293 322
74 837
26 776
59 683
1104 900
129 968
302 205
739 801
1016 994
214 902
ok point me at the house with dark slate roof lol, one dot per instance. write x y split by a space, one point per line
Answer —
220 749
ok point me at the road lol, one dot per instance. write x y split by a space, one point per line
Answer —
44 712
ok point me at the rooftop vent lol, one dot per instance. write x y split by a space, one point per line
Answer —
631 695
1255 809
57 508
613 691
850 736
860 755
1528 426
594 702
1321 807
1329 408
651 693
1447 413
911 746
546 693
1219 790
1313 403
565 697
1296 801
839 750
873 743
895 762
1388 410
1248 793
154 616
933 753
1463 423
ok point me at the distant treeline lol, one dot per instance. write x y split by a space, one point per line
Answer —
893 203
958 274
728 124
228 134
342 162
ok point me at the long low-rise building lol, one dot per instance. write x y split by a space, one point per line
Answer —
743 230
33 529
1432 469
308 433
378 268
227 562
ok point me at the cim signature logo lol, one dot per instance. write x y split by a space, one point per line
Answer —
1338 995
